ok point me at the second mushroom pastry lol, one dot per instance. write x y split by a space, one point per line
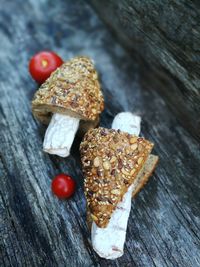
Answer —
69 100
116 164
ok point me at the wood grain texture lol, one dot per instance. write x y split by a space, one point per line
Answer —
166 34
36 229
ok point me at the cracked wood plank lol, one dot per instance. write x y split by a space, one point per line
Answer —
166 34
36 229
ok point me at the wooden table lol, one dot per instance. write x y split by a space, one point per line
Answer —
37 229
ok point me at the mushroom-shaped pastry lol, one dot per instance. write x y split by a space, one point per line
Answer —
116 166
69 97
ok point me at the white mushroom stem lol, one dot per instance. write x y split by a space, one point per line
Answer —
109 242
127 122
60 134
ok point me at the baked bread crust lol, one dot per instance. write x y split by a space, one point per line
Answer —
72 89
111 161
145 173
141 179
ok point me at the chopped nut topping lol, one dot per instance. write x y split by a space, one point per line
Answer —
115 191
125 172
133 139
73 86
134 146
94 110
115 172
140 160
132 171
96 162
106 165
113 159
140 147
127 150
94 217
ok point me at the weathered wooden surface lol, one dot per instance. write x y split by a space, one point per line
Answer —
167 35
36 229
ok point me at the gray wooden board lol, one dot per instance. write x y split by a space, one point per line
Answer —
167 35
37 229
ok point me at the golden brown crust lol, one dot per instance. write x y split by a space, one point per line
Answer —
145 173
142 178
73 89
111 161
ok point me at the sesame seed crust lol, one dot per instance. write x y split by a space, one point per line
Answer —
111 161
72 89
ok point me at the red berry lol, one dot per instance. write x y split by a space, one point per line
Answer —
43 64
63 186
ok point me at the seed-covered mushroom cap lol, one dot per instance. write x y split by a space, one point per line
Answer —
111 161
73 89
